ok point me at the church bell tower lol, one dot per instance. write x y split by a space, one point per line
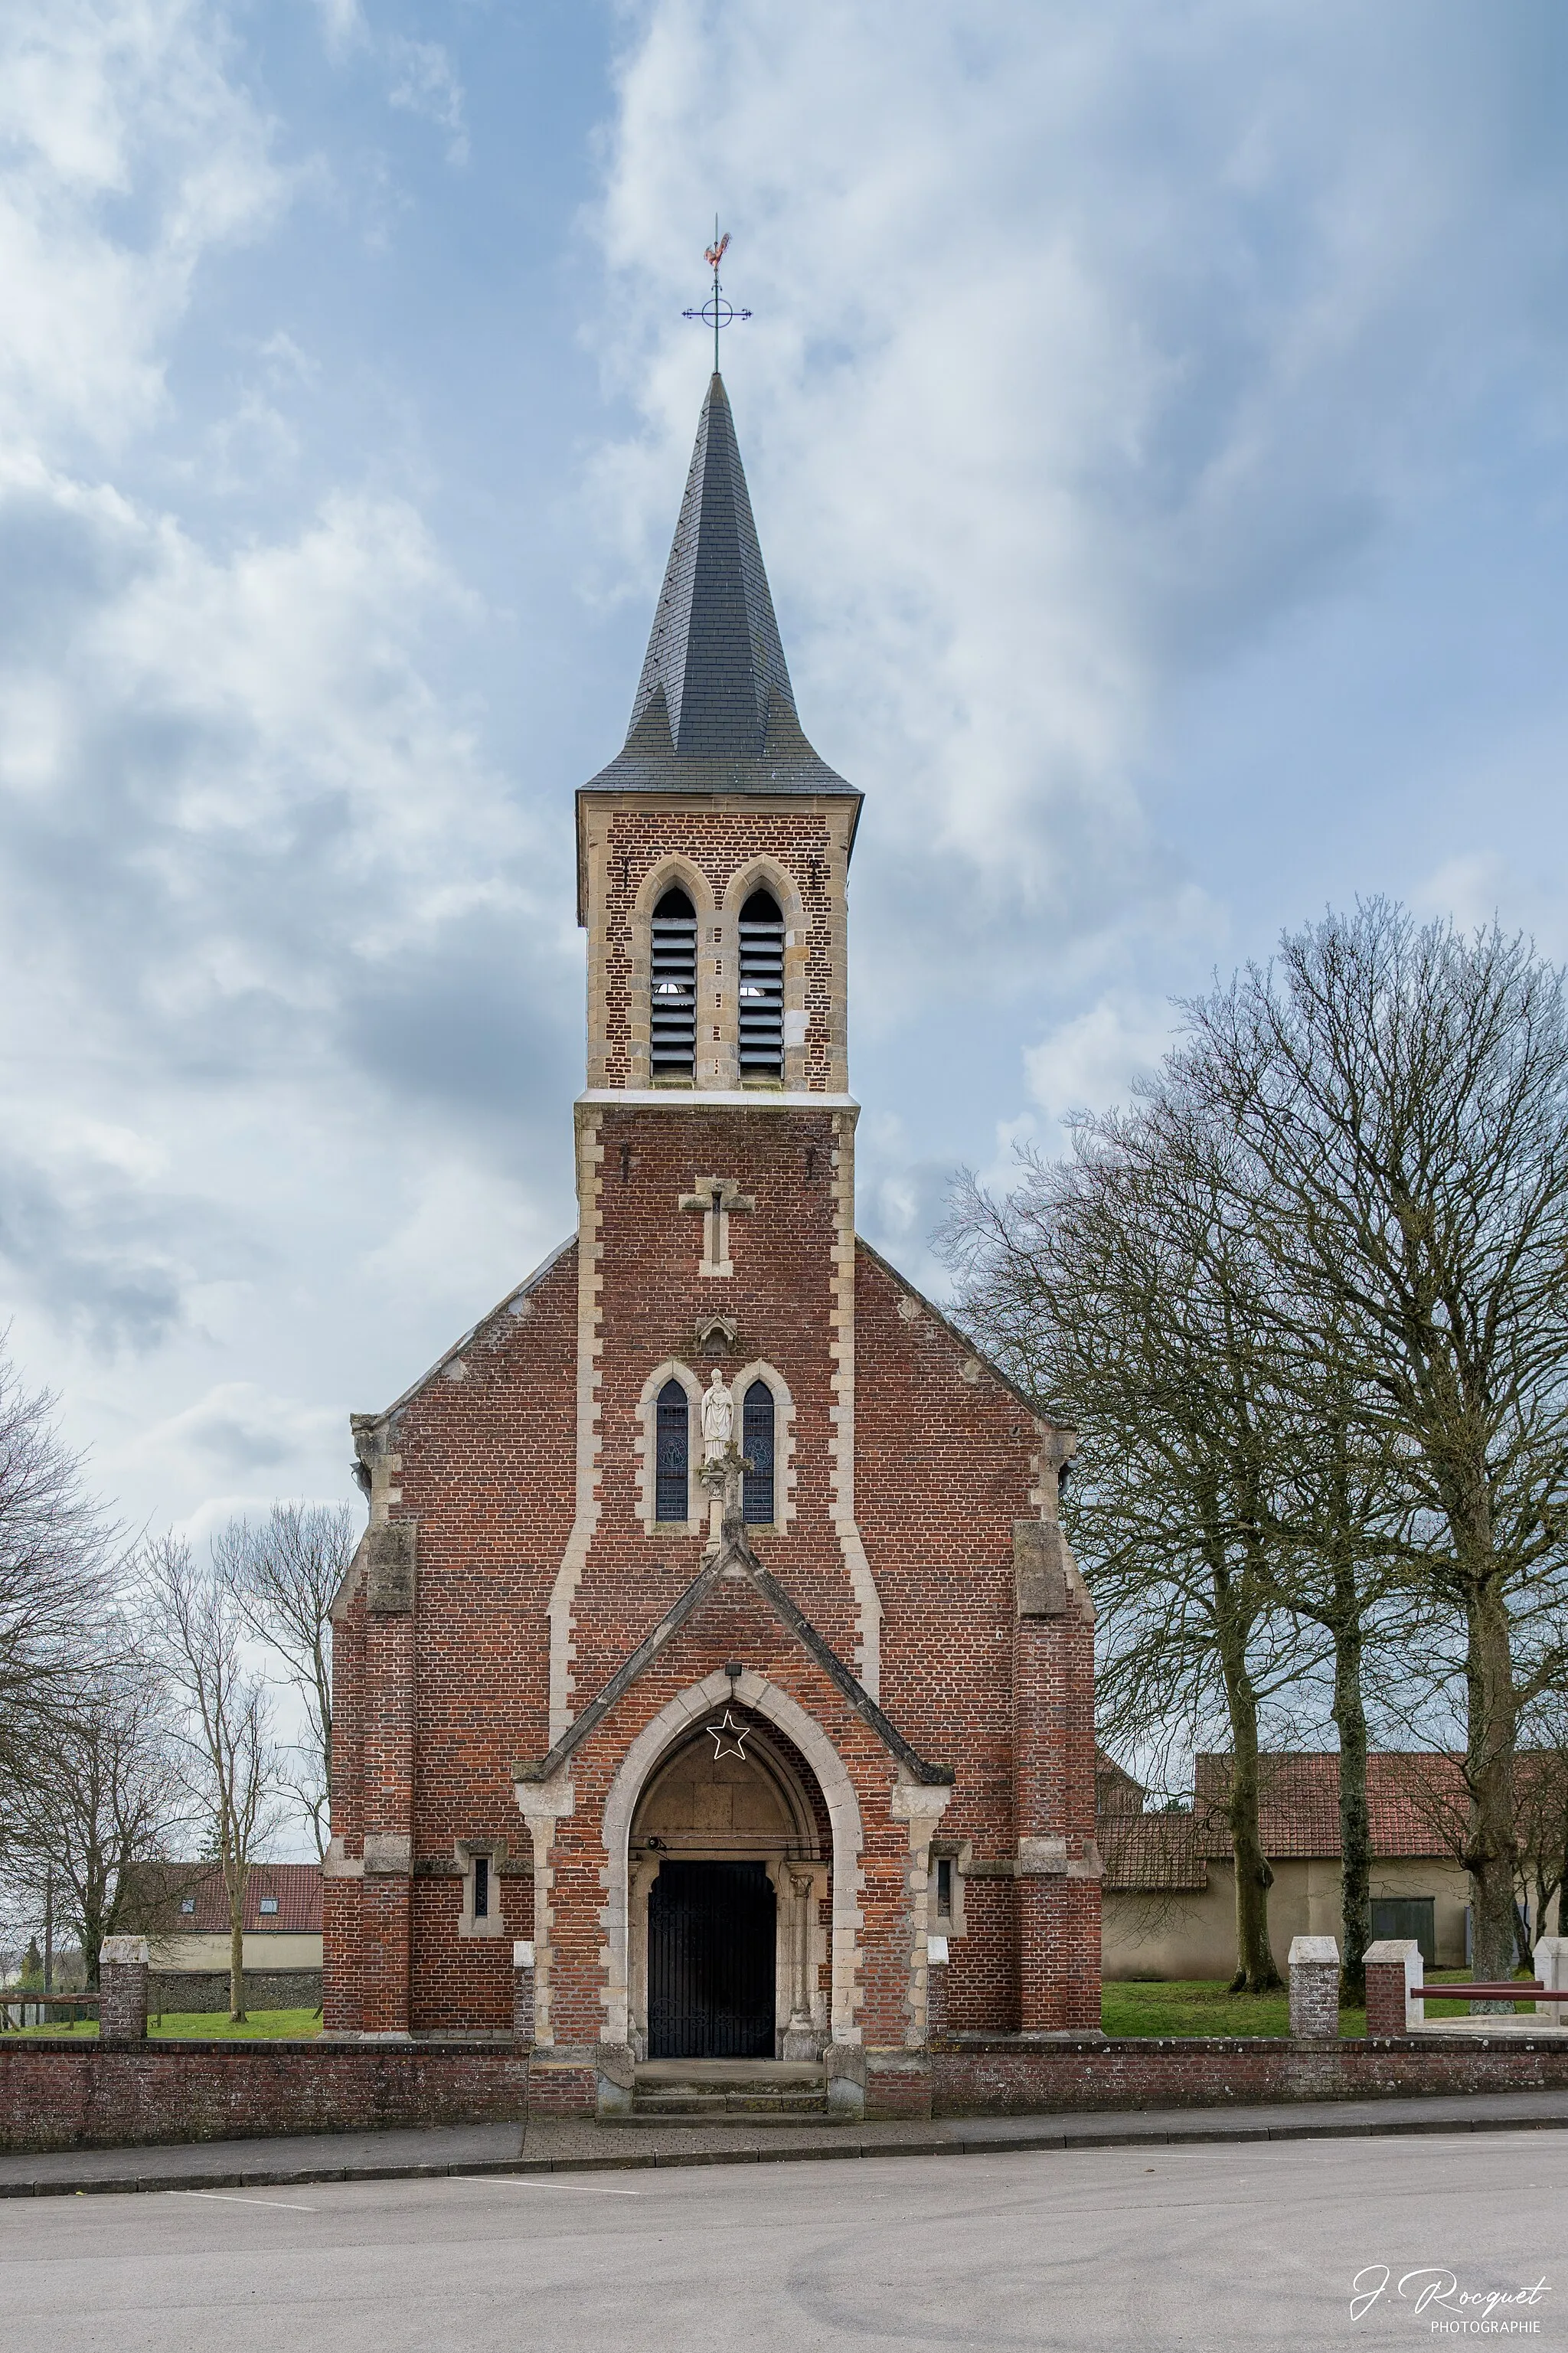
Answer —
713 852
715 1134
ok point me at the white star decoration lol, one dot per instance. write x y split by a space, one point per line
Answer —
728 1736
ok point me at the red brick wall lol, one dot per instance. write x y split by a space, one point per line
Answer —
82 2095
488 1471
942 1469
651 1298
76 2095
1010 2078
719 841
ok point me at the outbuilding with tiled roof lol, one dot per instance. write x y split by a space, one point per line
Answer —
1169 1892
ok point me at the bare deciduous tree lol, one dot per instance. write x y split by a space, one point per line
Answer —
101 1799
1122 1285
57 1572
1541 1807
1403 1094
1346 1510
284 1572
230 1765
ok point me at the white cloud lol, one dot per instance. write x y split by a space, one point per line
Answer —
275 937
1062 314
465 1228
426 83
344 26
238 1425
1090 1063
129 157
1471 889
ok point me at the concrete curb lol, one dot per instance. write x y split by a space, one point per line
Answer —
842 2146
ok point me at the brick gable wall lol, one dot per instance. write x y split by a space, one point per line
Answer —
520 1463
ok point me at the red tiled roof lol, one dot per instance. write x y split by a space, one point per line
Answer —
166 1888
1415 1803
1150 1851
1115 1791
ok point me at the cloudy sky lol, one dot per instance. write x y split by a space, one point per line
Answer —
1156 419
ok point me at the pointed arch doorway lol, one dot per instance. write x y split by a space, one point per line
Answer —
728 1870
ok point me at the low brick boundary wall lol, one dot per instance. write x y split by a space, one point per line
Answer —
207 1989
83 2095
1003 2075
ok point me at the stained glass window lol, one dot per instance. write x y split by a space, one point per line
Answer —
674 1449
757 1445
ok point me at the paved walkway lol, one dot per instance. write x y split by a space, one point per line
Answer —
566 2145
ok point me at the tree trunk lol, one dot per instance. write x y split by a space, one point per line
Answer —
1355 1828
235 1879
1489 1855
1255 1969
94 1928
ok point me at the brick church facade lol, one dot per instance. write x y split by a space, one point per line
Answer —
713 1668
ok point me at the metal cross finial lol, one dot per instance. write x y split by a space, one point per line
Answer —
717 310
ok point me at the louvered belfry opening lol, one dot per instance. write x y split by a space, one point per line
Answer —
761 988
673 1008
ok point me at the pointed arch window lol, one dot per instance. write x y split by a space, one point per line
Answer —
673 1440
673 986
762 988
757 1445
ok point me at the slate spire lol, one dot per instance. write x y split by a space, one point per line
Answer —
714 708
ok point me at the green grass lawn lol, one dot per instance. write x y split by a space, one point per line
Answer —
206 2025
1206 2006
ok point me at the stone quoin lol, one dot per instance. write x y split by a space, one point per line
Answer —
713 1647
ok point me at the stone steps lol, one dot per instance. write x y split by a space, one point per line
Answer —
722 2090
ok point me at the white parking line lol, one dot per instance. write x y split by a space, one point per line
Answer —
527 2182
232 2198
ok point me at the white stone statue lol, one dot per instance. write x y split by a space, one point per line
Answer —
718 1417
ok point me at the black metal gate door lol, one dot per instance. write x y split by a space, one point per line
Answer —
710 1962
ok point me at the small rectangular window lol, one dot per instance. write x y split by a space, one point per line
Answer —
269 1904
481 1887
188 1904
944 1887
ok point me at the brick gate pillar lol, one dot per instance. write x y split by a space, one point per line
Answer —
1394 2002
386 1905
1058 1885
1314 1972
123 1990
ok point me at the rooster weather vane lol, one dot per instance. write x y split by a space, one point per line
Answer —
717 310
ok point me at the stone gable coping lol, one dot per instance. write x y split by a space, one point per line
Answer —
734 1556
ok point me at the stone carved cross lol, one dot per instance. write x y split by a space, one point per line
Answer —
716 1200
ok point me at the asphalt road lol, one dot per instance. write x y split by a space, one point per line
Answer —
1210 2248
